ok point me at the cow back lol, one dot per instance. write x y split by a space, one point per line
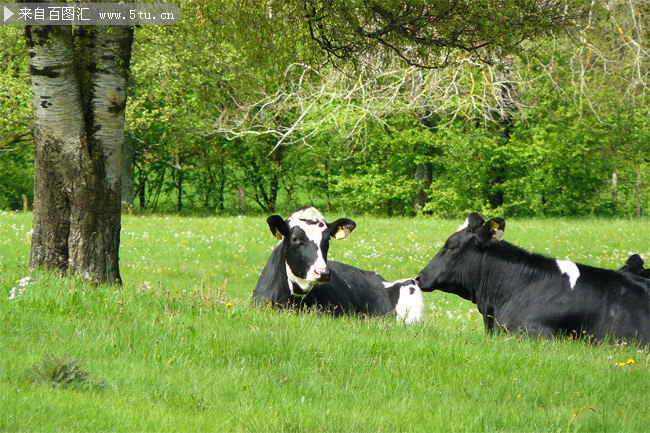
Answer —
352 290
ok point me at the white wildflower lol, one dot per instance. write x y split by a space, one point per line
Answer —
14 293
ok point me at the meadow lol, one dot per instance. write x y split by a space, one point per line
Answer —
179 347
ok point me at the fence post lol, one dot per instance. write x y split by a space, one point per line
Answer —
638 194
614 191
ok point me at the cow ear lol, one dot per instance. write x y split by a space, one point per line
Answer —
493 229
473 221
342 228
278 226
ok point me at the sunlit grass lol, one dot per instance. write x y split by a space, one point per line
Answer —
179 346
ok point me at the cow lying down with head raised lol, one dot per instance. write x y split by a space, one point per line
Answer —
298 274
516 290
634 267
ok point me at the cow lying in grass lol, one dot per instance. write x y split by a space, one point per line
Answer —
634 266
516 290
298 274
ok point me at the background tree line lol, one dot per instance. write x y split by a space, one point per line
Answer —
241 120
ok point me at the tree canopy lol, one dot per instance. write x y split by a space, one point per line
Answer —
434 34
238 109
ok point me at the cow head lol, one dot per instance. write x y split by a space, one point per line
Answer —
306 242
634 266
455 262
410 306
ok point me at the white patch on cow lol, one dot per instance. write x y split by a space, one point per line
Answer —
465 225
304 284
313 224
410 306
570 269
308 213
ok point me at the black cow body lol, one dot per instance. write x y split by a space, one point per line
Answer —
520 291
288 280
350 290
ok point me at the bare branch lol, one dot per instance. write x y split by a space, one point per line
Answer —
343 104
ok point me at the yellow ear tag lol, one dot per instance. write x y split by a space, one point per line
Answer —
342 233
278 235
496 233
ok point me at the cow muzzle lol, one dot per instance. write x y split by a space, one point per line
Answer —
424 282
322 275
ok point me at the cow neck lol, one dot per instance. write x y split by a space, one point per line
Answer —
500 263
469 278
272 284
481 294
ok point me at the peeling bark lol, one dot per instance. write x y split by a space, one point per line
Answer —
79 84
58 134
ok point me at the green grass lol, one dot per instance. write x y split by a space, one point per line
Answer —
180 348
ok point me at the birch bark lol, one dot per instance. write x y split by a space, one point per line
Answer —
79 82
59 134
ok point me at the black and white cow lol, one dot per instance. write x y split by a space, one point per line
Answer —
298 274
634 266
519 291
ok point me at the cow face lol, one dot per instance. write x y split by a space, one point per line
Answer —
457 260
306 242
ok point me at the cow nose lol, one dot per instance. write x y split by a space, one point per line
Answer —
322 275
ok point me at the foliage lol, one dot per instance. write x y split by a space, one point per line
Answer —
381 178
558 171
16 148
553 156
435 34
242 106
463 171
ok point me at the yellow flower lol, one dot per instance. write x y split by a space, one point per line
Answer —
228 304
518 395
630 361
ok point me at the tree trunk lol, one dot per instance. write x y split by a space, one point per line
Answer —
180 188
423 176
242 199
79 96
221 188
614 191
142 196
638 194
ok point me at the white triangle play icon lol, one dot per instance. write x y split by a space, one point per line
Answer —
8 13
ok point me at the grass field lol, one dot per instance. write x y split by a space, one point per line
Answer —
180 348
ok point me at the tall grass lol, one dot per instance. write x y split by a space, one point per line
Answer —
180 348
